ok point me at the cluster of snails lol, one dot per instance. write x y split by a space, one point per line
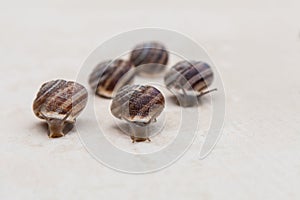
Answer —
59 102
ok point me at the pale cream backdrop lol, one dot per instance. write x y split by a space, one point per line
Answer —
255 45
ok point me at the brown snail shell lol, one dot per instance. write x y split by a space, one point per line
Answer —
107 75
189 80
59 102
139 105
149 58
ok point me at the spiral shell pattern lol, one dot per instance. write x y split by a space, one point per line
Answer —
189 76
138 104
154 54
60 99
107 75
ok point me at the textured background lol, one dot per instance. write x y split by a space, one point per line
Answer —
256 47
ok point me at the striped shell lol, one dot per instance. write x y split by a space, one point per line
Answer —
154 54
59 102
189 77
138 104
110 75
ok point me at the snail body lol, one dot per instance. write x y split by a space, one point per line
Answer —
108 74
139 105
189 80
59 102
149 58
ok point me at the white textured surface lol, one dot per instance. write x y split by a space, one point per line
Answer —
256 47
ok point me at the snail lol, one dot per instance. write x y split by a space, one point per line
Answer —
139 105
59 102
108 74
189 81
149 58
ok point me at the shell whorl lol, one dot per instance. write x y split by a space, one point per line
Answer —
138 104
109 74
189 76
60 99
154 54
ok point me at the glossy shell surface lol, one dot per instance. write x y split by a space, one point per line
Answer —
138 104
108 75
59 102
189 77
59 98
150 57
